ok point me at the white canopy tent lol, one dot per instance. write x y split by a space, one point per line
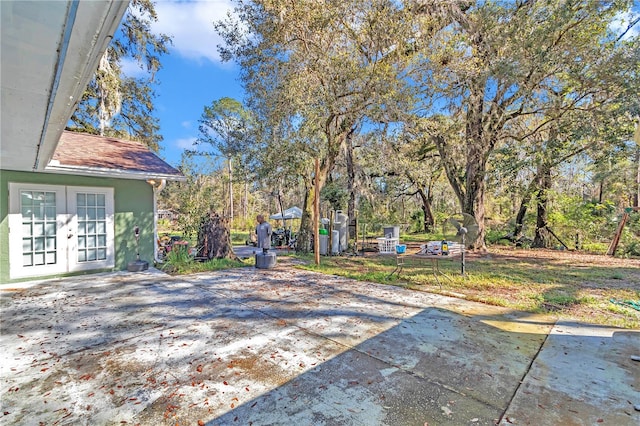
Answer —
290 213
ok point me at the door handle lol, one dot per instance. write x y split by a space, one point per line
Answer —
69 236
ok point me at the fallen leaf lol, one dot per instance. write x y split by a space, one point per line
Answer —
199 368
200 423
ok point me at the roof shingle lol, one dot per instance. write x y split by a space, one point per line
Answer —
100 153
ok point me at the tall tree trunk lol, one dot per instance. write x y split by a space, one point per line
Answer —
336 130
524 204
522 212
304 238
475 191
636 138
427 201
352 225
601 190
542 238
280 204
230 190
245 203
351 177
636 201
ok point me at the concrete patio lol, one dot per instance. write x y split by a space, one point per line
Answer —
285 346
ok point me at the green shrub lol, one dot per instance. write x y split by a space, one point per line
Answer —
177 260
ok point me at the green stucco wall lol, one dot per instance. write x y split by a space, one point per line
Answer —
133 207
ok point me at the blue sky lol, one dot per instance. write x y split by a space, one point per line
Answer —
192 75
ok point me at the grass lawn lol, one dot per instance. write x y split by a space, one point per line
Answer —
567 285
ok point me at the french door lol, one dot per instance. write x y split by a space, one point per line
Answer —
57 229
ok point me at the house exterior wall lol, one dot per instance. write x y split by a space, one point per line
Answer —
133 206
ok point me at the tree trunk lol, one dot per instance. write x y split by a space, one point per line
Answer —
474 192
351 177
245 203
636 138
522 211
600 190
280 205
427 200
542 238
304 238
336 131
230 191
636 197
214 238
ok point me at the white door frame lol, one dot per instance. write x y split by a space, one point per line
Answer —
109 260
16 231
66 227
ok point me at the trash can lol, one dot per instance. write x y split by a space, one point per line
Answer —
391 231
324 243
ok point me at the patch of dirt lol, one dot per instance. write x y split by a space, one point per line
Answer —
576 259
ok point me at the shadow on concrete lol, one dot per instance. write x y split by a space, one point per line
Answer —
284 347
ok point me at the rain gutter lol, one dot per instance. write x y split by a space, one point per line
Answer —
66 37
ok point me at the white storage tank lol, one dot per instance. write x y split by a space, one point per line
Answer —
342 225
335 241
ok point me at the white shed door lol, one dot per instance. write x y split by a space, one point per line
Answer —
58 229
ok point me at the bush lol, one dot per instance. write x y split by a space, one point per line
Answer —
177 260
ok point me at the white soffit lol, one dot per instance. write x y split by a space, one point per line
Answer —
49 52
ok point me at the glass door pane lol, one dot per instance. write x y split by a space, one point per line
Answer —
92 227
39 230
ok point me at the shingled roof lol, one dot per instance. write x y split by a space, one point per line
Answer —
85 154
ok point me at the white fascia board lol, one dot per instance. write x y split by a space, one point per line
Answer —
93 28
111 173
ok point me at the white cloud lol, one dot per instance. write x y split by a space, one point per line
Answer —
621 22
131 68
185 143
186 124
190 23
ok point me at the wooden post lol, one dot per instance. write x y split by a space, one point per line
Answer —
616 238
316 215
